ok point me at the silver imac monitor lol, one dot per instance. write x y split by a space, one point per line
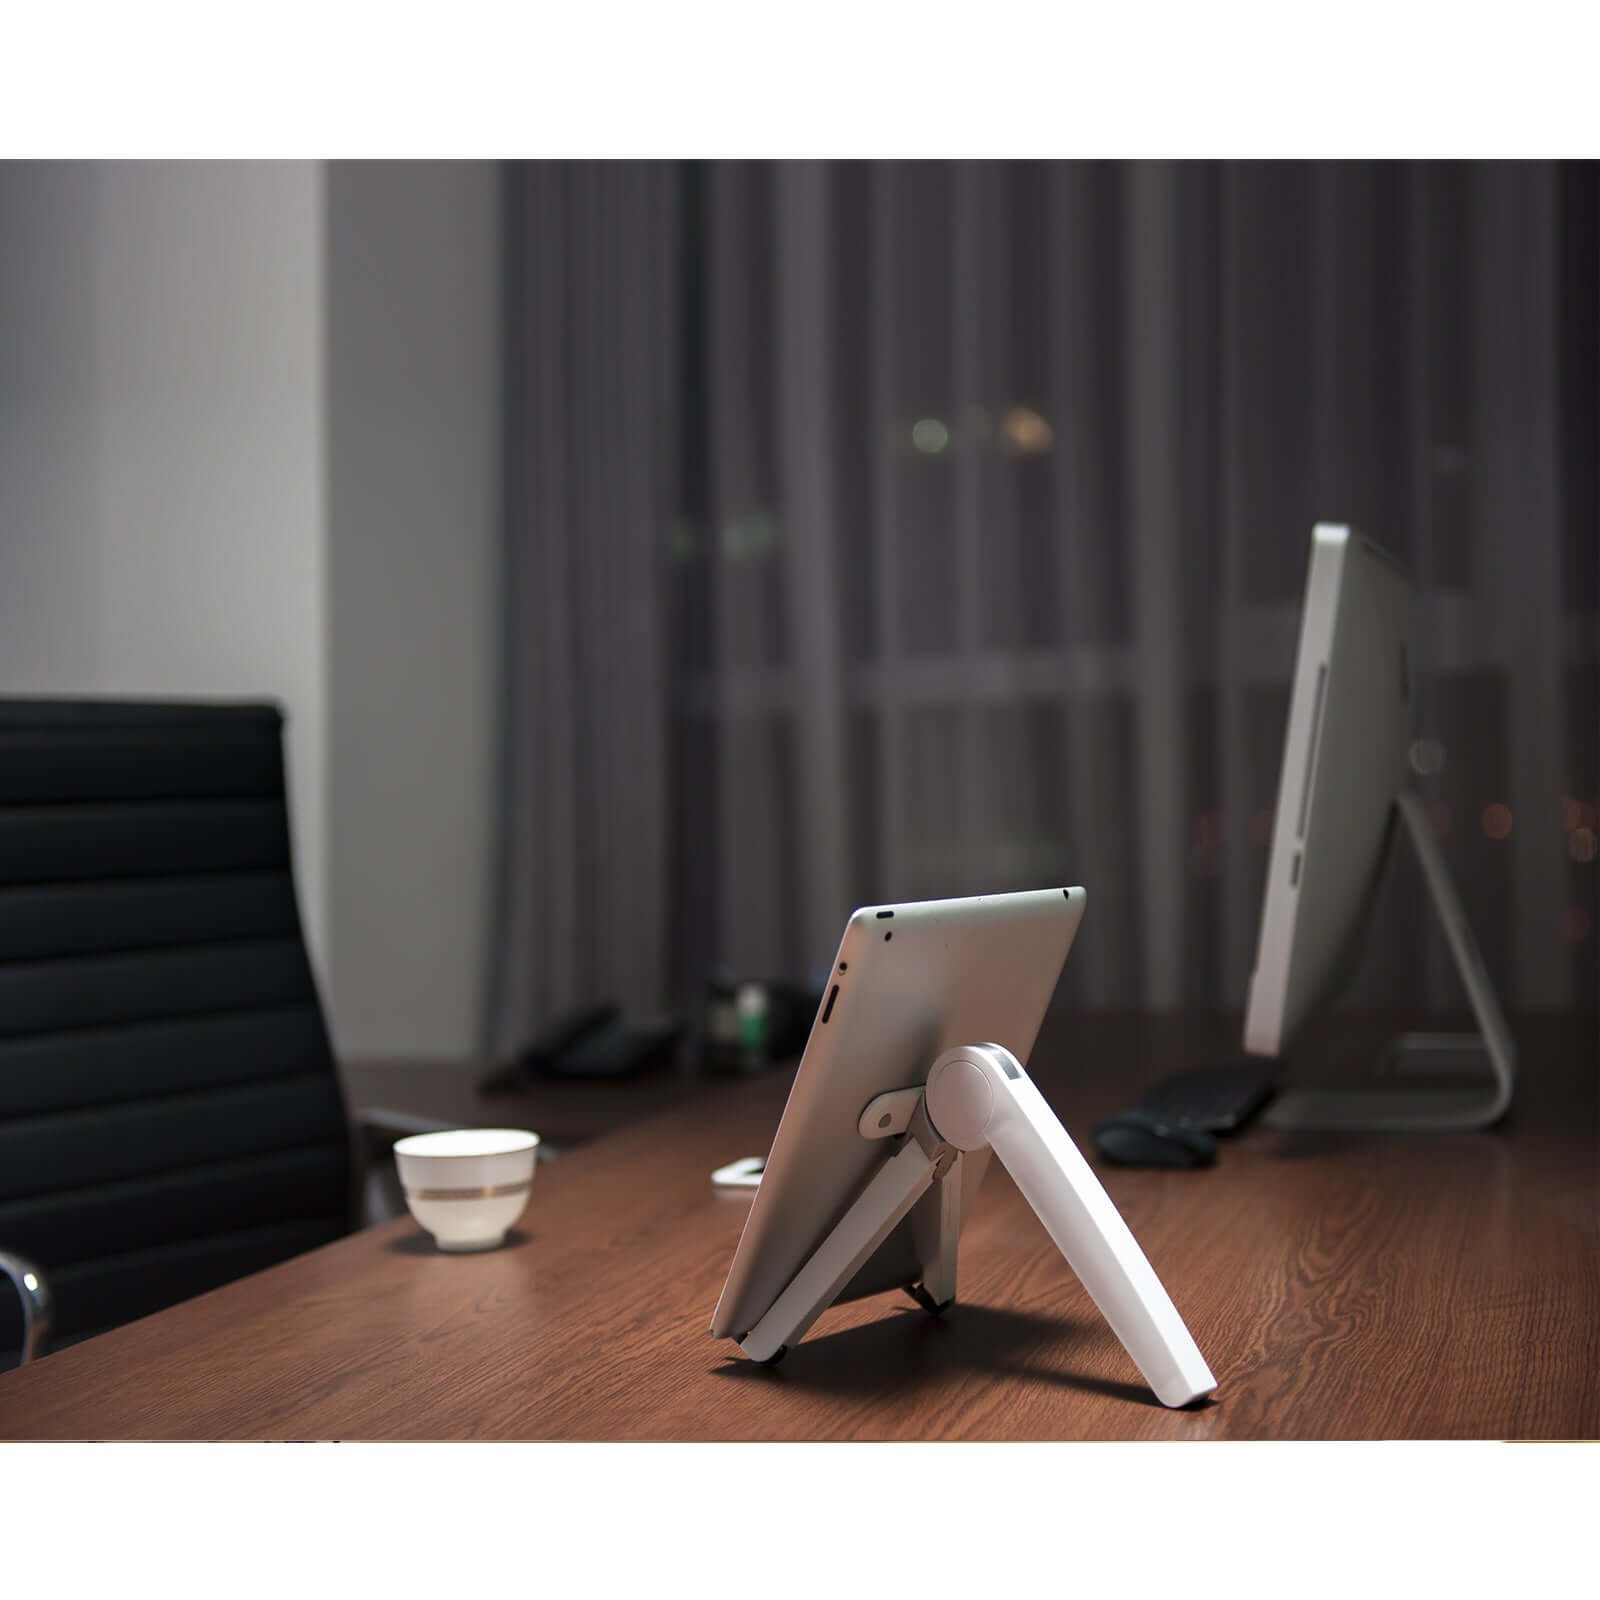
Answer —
1343 796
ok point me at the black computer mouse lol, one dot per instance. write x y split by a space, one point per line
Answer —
1145 1139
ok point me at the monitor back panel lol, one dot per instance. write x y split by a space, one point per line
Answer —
1344 761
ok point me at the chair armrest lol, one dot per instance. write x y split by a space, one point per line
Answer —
38 1308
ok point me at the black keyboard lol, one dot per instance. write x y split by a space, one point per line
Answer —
1213 1099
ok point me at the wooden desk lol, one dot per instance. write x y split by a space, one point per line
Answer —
1400 1286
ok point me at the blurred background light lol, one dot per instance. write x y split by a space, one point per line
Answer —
1427 757
1027 433
1497 820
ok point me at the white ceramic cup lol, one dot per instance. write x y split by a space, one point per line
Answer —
466 1186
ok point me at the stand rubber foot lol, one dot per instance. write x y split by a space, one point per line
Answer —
934 1308
771 1361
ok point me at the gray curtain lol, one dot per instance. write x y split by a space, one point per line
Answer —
591 446
959 547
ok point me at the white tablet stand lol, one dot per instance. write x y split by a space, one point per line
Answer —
978 1095
1422 1110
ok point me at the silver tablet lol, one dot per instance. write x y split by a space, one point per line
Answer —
908 983
1344 761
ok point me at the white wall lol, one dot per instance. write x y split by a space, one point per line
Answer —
248 446
413 387
161 519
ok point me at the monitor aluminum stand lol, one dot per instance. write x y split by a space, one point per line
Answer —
1422 1110
979 1095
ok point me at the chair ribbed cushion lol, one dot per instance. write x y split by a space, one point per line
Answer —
170 1117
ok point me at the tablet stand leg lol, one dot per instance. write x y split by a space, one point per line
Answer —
938 1286
979 1094
1423 1110
921 1159
975 1096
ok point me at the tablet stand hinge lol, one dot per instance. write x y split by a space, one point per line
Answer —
927 1136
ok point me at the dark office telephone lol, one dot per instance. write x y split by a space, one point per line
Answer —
593 1042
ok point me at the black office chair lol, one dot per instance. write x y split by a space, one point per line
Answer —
170 1113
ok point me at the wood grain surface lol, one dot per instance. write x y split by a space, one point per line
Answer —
1358 1286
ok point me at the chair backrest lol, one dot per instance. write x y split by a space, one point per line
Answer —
170 1114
